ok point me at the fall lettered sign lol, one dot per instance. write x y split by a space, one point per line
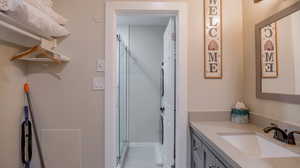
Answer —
269 51
213 39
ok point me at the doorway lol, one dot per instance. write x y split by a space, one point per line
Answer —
146 90
127 133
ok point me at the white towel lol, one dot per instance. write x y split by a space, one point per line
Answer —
37 21
9 5
44 6
240 105
48 3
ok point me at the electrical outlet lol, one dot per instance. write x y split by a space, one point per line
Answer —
98 83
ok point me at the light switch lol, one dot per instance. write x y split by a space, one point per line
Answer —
100 65
98 83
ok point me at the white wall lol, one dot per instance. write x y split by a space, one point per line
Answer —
146 50
12 78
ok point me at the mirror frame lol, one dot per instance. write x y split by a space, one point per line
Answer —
295 99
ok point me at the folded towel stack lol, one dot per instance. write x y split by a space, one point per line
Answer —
37 16
6 5
3 5
45 6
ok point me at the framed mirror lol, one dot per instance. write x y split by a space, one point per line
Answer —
278 56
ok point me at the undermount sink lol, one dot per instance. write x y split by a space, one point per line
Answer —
257 146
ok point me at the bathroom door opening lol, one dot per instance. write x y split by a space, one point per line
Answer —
146 90
113 10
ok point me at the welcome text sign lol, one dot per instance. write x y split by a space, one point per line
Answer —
213 39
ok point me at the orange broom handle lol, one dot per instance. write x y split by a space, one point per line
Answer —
26 88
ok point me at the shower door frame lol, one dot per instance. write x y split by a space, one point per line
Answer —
179 9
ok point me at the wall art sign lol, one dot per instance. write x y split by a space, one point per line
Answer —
269 56
213 39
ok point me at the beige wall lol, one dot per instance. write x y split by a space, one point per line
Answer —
215 95
12 78
254 13
69 111
71 104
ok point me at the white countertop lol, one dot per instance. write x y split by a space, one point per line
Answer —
212 130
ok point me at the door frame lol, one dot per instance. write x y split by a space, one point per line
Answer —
113 8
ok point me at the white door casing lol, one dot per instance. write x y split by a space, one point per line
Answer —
113 8
168 98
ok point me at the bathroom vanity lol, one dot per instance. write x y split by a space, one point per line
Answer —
205 155
222 144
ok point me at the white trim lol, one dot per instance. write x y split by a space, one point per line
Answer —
178 8
158 154
123 156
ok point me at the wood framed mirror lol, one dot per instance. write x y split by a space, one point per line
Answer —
278 56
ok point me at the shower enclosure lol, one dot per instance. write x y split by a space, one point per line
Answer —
122 124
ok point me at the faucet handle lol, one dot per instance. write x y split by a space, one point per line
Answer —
291 137
273 125
269 128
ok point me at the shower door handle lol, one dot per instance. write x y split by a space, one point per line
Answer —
162 129
162 82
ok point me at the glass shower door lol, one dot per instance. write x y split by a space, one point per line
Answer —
122 110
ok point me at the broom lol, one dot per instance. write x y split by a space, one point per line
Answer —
36 136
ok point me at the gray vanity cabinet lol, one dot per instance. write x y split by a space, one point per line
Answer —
210 160
203 155
197 153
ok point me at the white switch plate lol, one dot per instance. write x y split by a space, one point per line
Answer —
100 65
98 83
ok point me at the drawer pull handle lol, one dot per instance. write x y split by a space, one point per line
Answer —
196 147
